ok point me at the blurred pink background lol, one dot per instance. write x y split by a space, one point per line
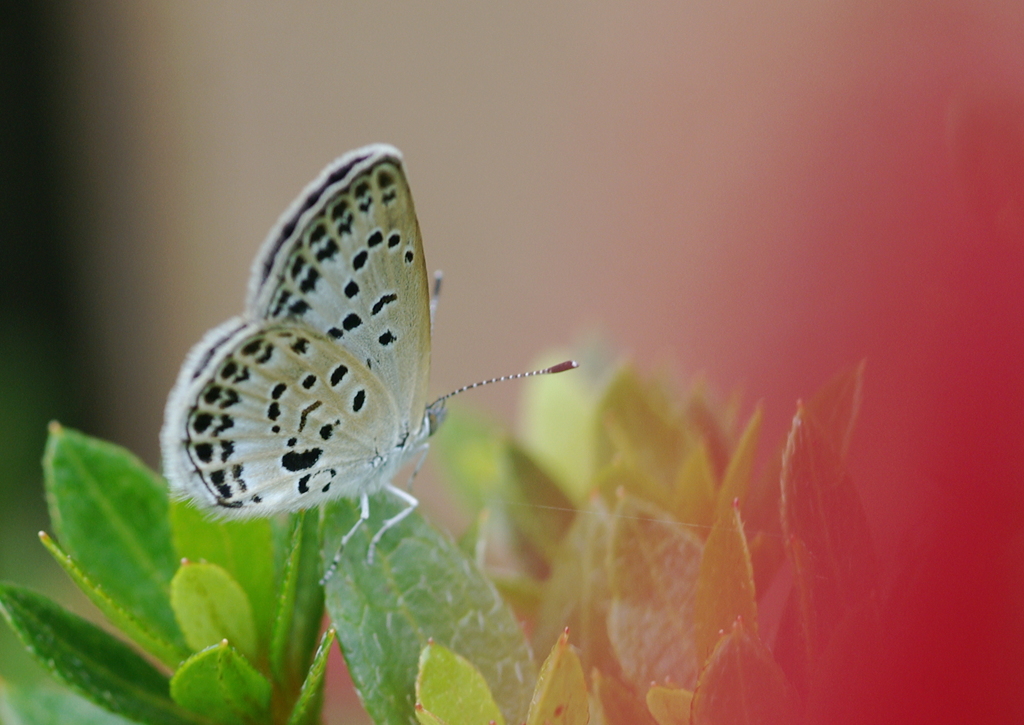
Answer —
760 192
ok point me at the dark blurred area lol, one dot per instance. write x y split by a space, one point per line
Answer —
46 364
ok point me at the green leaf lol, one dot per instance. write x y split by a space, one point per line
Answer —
220 684
210 607
244 549
821 511
419 586
669 705
560 697
472 453
616 703
450 690
693 497
535 504
835 406
725 584
310 701
742 684
559 422
110 515
90 661
124 620
652 568
42 705
639 424
576 595
473 541
737 476
622 476
520 591
300 605
704 424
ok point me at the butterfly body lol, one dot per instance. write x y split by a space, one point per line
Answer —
319 390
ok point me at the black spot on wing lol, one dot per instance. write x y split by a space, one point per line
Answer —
384 300
301 460
288 228
201 422
351 322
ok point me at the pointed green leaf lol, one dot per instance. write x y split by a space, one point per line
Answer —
737 476
693 497
742 684
836 405
560 697
472 454
559 421
310 701
210 607
576 595
124 620
220 684
110 515
822 510
669 705
521 591
638 423
535 504
90 661
42 705
623 476
725 584
419 586
451 690
705 424
652 567
473 542
300 606
242 548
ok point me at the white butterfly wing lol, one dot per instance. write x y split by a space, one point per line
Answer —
320 391
347 259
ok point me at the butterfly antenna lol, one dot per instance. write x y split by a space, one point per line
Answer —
559 368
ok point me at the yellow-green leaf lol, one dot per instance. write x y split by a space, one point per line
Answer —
652 568
560 697
669 705
450 690
742 684
736 480
211 606
693 497
559 427
725 584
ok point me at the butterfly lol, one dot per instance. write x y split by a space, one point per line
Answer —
319 390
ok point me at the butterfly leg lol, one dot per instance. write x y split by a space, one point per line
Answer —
364 513
435 296
394 520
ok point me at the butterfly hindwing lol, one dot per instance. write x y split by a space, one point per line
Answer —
278 418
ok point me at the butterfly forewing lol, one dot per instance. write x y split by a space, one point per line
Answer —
348 261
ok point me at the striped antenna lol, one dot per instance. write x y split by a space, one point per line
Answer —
559 368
